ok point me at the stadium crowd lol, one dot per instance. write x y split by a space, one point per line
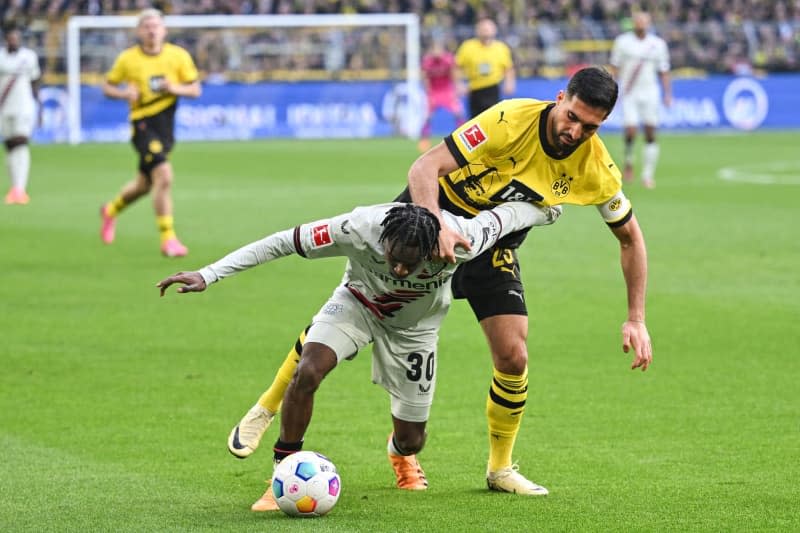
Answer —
547 37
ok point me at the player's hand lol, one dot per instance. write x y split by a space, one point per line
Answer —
667 100
448 240
635 335
191 282
552 213
170 87
131 94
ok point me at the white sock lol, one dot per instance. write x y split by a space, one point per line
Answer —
390 447
18 161
650 160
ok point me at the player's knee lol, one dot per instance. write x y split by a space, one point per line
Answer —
162 176
511 355
314 366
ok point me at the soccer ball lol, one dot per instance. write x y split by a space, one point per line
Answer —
306 484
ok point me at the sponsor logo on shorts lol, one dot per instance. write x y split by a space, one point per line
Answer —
512 292
321 235
472 137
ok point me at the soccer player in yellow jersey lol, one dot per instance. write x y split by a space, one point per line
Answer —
545 152
151 76
486 64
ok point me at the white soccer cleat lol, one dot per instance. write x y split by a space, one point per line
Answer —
246 436
510 480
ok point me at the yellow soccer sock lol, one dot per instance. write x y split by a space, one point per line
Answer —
271 398
166 227
115 206
504 407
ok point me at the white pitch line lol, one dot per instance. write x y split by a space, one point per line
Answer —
769 173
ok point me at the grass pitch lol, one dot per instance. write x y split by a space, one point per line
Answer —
115 404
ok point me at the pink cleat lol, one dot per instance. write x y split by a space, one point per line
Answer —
174 248
108 225
17 196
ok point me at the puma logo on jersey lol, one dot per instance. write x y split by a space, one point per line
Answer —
472 137
321 235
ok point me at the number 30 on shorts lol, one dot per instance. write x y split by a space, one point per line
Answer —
416 362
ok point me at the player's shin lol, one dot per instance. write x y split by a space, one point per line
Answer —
18 161
505 405
272 397
651 152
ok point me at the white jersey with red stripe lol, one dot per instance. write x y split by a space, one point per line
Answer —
639 61
17 70
418 300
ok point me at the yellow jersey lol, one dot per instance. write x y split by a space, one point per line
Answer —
148 73
504 156
483 65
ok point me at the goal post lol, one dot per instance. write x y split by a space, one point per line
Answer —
408 22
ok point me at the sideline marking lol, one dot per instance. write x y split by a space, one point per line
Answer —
770 173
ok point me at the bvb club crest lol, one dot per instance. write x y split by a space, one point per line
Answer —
561 186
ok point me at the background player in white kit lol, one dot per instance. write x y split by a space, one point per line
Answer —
19 92
640 59
393 295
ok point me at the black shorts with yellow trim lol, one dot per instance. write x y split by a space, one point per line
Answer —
153 138
491 283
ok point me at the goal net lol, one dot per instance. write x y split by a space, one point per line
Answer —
263 76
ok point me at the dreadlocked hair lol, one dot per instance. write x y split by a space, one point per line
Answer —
411 226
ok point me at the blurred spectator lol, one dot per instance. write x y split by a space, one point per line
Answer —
549 37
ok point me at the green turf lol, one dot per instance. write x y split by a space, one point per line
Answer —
115 404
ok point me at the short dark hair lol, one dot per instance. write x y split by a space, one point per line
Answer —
595 87
411 226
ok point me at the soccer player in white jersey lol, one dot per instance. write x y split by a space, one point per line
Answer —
19 92
393 295
640 60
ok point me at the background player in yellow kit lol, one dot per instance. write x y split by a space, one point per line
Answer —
487 66
151 76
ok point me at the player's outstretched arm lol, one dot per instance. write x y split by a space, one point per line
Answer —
633 257
423 184
190 282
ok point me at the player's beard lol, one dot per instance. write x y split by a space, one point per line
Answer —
562 141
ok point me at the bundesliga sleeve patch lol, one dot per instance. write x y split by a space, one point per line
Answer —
472 137
321 235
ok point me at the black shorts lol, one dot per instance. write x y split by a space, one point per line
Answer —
482 99
153 138
491 282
